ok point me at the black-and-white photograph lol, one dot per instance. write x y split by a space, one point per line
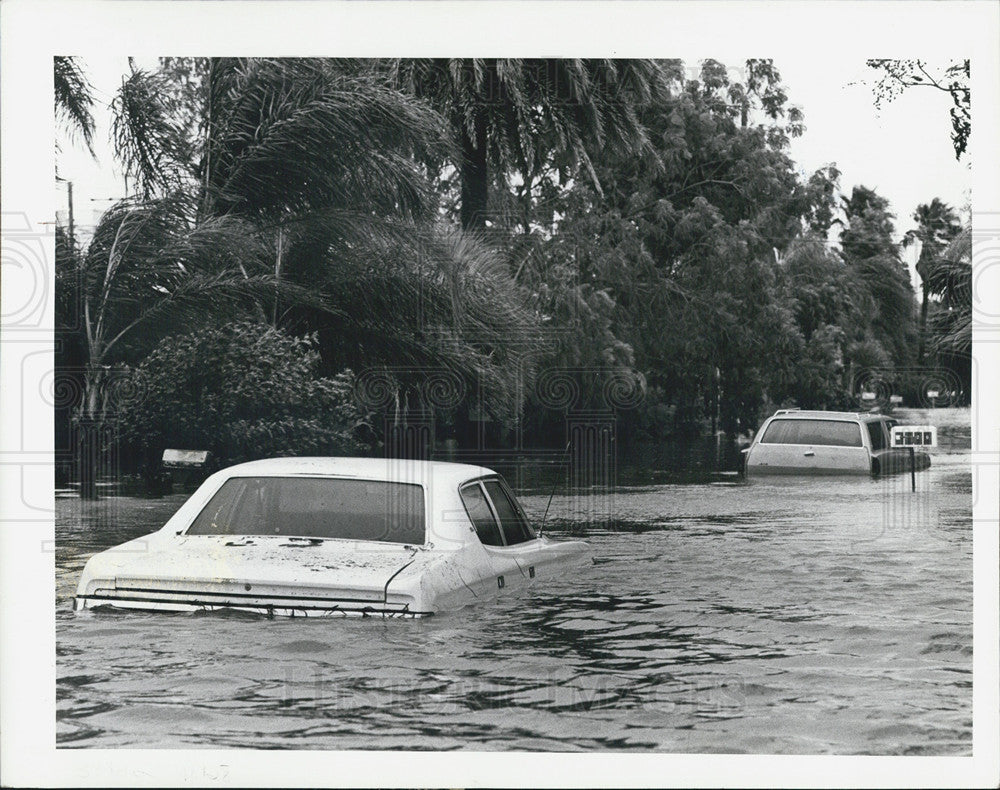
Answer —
620 403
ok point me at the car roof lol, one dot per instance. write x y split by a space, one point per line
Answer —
832 415
435 476
388 469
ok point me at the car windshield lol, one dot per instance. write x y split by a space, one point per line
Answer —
314 507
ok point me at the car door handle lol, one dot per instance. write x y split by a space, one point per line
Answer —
809 452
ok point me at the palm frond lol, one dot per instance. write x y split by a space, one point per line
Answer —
74 98
452 301
950 278
535 108
146 137
296 130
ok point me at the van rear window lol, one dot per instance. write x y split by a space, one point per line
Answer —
835 433
314 507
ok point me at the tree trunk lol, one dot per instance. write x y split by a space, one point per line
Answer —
279 250
87 448
206 193
923 327
87 443
475 184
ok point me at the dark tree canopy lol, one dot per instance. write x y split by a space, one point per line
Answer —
524 116
639 230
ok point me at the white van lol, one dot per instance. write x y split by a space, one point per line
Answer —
797 442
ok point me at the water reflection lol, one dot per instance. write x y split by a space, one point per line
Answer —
779 616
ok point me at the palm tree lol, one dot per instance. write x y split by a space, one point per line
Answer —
74 99
510 115
949 277
882 290
276 141
937 227
323 158
297 198
145 271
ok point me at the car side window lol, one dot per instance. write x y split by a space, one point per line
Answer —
483 519
515 526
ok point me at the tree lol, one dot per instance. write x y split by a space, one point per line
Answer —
299 182
668 270
707 324
949 277
275 137
818 285
314 159
897 75
74 99
820 201
937 227
323 158
881 284
528 116
147 138
147 270
243 391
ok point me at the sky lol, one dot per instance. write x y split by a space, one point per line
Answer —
903 152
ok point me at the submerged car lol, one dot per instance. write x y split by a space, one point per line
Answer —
797 442
333 536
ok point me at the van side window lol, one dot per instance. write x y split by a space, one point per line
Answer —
877 432
833 433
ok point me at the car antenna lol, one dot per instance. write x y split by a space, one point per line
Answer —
564 459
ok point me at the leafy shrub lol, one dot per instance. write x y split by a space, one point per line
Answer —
243 391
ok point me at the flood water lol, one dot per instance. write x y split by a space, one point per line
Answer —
788 615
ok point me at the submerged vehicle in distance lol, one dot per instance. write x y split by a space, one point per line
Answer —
333 536
797 442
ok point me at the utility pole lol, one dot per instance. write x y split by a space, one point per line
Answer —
69 193
69 201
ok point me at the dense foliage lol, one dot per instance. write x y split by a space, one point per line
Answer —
243 391
492 242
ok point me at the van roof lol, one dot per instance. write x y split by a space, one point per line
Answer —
832 415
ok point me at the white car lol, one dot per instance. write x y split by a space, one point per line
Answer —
333 536
798 442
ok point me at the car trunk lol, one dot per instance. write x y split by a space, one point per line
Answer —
264 574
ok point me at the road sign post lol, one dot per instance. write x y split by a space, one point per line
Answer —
911 437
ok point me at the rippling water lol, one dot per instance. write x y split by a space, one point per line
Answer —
786 616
